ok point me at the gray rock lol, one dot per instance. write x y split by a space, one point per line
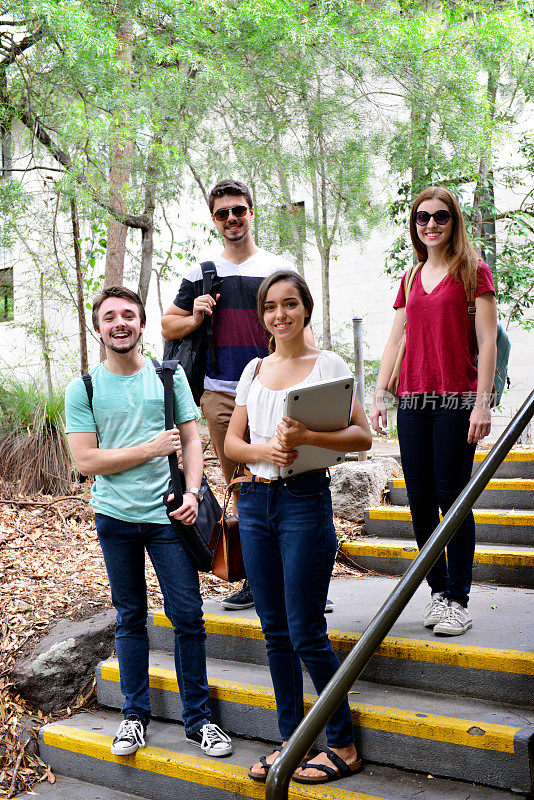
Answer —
64 661
357 485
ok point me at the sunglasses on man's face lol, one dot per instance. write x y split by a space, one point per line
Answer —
441 217
222 214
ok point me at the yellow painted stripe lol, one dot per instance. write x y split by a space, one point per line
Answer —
513 455
497 484
482 517
483 555
393 720
518 662
201 771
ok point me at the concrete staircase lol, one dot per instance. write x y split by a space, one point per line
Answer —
504 517
433 716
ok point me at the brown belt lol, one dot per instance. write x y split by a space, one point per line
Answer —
248 477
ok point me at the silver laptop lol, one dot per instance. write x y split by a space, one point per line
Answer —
325 406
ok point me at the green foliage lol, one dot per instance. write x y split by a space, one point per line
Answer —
33 445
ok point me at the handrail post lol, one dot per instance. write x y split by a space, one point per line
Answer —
359 371
280 773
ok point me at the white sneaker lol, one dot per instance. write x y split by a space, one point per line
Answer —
130 737
435 611
212 740
457 620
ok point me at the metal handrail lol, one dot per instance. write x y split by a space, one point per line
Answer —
276 787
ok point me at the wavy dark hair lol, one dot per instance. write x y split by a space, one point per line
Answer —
231 187
461 256
124 294
297 281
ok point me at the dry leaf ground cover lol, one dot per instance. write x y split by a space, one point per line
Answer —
51 568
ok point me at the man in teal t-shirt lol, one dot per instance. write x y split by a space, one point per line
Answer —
123 442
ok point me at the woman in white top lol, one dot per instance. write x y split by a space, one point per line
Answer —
287 533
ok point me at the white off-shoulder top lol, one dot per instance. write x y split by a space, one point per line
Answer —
265 406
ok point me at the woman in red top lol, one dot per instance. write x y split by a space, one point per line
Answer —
444 399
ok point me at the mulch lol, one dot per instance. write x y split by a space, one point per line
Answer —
51 568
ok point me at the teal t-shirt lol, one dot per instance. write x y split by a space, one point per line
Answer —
127 411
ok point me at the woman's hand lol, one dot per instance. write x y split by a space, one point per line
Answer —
274 453
379 412
479 423
291 433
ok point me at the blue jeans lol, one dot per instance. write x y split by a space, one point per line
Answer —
437 462
123 545
289 546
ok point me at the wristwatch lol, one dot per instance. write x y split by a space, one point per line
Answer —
195 491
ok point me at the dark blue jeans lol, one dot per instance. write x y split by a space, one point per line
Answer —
123 545
289 546
437 462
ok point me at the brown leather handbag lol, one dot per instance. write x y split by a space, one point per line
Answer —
226 544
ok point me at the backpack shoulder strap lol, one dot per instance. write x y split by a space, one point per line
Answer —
470 295
209 278
88 383
166 372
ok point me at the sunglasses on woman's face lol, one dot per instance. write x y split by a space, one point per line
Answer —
441 217
222 214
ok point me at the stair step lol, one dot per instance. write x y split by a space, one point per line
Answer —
445 735
503 493
170 767
492 661
518 463
65 788
509 527
505 565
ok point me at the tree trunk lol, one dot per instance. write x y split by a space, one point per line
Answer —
121 166
483 220
80 299
147 246
293 219
43 338
6 118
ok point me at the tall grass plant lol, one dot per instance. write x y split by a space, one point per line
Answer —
33 446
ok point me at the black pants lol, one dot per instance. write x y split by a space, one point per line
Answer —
437 462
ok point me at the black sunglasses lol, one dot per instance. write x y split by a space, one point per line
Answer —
441 217
222 214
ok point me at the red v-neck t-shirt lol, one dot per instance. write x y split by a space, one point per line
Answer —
438 336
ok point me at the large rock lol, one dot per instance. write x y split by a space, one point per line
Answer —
360 484
64 661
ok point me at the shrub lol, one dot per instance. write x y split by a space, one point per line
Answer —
33 445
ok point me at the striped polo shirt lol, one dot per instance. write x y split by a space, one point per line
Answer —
238 333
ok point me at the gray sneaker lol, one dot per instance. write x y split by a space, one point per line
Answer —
457 620
435 611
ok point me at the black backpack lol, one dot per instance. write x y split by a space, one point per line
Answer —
197 349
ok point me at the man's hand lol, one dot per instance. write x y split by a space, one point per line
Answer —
291 433
165 443
203 305
188 511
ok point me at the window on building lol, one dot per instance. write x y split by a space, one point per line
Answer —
295 216
6 294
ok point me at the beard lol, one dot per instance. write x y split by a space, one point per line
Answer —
127 347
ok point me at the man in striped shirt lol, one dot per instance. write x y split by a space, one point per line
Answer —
237 332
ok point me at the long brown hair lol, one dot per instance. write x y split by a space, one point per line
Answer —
301 286
461 256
